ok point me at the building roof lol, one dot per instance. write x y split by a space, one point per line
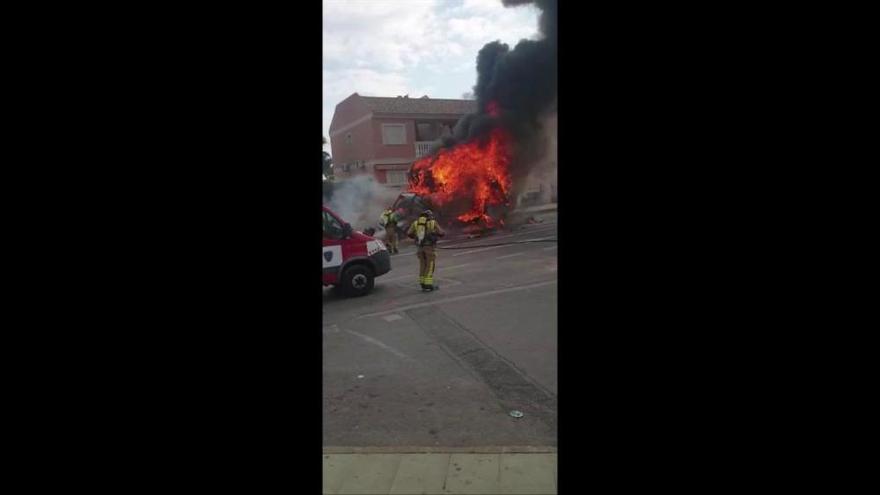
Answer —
419 105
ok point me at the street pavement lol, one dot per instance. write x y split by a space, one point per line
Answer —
410 371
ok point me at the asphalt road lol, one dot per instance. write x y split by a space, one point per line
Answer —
403 368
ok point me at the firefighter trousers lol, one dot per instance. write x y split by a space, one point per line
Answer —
391 237
427 256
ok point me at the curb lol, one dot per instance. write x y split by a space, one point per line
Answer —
440 450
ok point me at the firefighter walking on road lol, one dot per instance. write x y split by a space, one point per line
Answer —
425 231
389 220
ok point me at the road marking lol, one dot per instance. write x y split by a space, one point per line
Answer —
509 256
380 344
444 269
458 298
485 240
490 238
413 284
393 317
503 245
482 249
456 266
512 387
551 248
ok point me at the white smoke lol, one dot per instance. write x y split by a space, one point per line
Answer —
543 172
360 200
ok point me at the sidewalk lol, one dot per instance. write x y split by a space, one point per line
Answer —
507 470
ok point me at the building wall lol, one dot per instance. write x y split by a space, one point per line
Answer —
359 147
382 150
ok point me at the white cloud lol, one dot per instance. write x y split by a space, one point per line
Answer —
392 47
482 6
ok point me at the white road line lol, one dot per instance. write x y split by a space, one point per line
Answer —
447 282
443 268
491 238
551 248
487 238
446 269
380 344
477 241
503 245
509 256
483 240
458 298
393 317
481 249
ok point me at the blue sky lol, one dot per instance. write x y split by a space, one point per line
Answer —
415 47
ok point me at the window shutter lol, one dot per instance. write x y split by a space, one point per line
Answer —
393 134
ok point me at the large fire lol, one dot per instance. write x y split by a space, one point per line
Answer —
469 177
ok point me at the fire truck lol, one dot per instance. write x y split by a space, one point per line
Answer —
352 260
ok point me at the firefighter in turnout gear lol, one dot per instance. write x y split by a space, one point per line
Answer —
425 231
389 220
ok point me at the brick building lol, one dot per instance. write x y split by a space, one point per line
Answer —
382 136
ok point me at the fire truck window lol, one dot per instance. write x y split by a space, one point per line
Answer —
332 227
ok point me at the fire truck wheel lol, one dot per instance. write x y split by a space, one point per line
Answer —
357 280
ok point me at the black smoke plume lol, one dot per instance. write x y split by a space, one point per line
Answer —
522 83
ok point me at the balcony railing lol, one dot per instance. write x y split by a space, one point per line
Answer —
424 148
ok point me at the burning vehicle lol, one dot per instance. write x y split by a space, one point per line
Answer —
465 181
471 181
467 186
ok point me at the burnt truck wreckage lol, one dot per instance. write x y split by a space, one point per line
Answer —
410 205
471 180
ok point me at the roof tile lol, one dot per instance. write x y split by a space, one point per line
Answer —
420 105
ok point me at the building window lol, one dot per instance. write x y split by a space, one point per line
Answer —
395 177
393 134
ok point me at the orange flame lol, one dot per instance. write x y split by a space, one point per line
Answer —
471 176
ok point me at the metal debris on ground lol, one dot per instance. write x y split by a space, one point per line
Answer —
360 376
516 414
535 220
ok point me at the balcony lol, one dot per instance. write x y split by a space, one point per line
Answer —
425 147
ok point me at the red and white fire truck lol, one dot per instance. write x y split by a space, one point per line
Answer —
352 260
